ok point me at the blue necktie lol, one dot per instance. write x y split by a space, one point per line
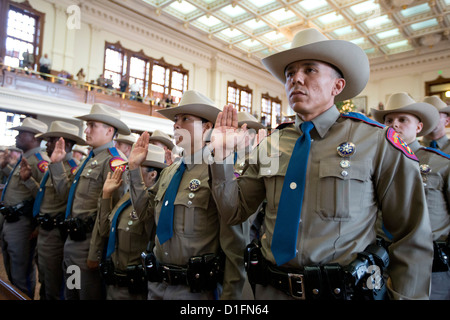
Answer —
73 187
284 240
164 230
9 178
433 144
40 194
112 233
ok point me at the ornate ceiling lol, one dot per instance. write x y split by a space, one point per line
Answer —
258 28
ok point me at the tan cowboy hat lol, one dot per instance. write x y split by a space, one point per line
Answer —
310 44
80 149
155 157
402 102
195 103
162 137
65 130
102 113
251 121
128 139
440 105
31 125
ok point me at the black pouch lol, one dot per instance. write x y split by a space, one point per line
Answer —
76 229
213 272
151 266
440 260
196 274
137 281
254 264
107 271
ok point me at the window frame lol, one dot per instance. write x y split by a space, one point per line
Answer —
26 8
234 85
271 100
149 64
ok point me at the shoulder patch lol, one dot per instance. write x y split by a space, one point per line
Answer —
363 118
116 161
393 137
437 151
73 166
42 164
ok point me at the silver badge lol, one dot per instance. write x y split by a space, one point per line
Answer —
194 184
425 169
94 163
344 164
133 215
346 149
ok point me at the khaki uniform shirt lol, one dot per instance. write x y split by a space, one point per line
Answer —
87 196
437 189
443 143
132 234
197 227
54 203
340 204
18 190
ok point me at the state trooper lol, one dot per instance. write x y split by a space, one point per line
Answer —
84 246
49 210
437 138
19 234
124 143
324 177
411 119
186 262
159 138
128 236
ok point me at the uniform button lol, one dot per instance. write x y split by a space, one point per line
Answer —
344 173
127 229
191 195
130 223
293 185
167 202
90 170
189 202
269 171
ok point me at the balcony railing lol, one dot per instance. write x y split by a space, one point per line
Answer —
32 82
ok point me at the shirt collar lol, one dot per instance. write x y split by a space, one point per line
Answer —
103 147
322 122
414 146
32 151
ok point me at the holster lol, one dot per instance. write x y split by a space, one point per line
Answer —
13 213
78 229
440 259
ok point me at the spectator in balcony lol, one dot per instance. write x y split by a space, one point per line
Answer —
45 65
81 77
134 89
123 85
101 81
110 83
28 60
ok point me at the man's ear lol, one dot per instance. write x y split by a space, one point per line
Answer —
339 85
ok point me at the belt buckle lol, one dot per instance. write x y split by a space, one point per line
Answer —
296 280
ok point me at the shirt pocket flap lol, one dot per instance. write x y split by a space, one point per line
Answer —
354 170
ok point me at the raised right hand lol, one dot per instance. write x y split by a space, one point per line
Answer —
139 152
59 153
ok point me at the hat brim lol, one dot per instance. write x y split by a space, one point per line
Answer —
445 110
121 127
204 111
154 164
65 135
252 125
426 113
26 129
169 144
350 59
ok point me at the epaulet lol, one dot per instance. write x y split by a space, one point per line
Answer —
42 164
437 151
116 161
393 137
363 118
284 125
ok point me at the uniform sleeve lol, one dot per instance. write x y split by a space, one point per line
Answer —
402 201
236 198
141 197
233 244
62 180
103 217
98 241
37 173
